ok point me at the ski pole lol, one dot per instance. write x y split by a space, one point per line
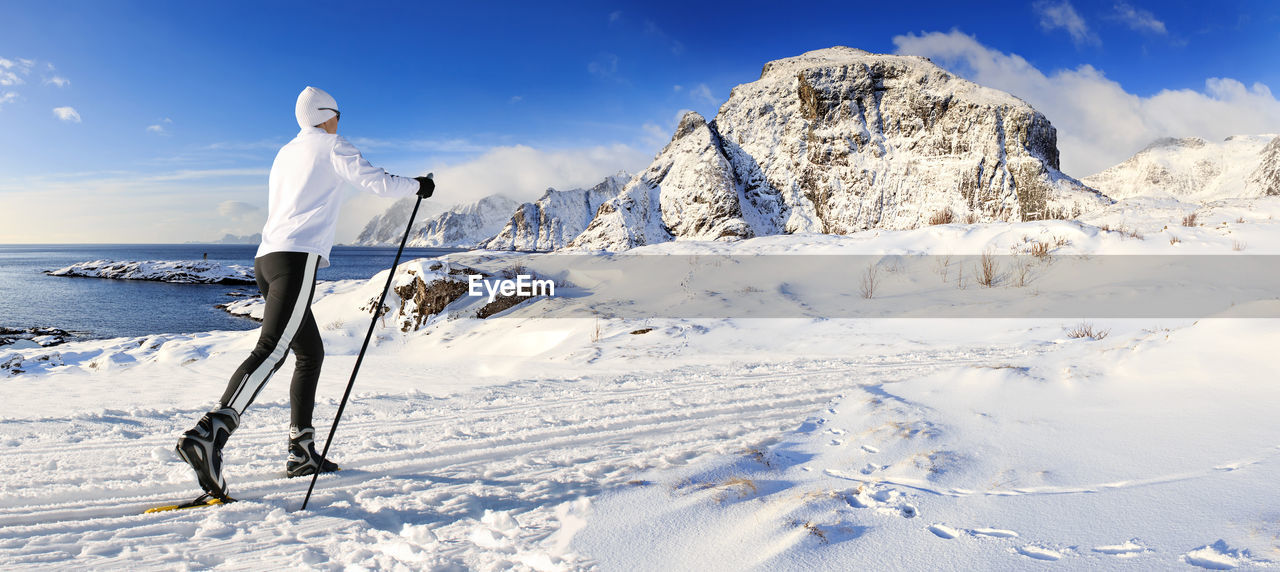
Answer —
377 313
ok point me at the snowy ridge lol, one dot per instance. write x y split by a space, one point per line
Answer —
1266 178
689 191
387 228
841 140
174 271
556 218
467 225
1194 170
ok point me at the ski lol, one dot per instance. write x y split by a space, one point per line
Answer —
201 501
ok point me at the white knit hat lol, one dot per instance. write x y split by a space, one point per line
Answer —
309 109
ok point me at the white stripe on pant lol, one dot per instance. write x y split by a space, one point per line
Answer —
254 381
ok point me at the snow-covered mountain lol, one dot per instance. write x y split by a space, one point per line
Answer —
388 227
462 226
840 140
465 226
1266 177
553 220
1195 170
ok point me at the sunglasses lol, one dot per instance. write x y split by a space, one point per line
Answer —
339 113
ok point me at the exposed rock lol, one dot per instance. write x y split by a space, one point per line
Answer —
501 303
1192 169
1265 179
556 218
420 300
841 140
34 337
173 271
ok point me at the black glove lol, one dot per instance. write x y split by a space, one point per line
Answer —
425 186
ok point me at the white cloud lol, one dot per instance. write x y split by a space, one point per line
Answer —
159 128
605 66
1064 15
8 97
654 135
237 209
523 172
1139 19
58 81
615 16
675 46
515 99
12 70
68 114
677 88
703 93
1100 123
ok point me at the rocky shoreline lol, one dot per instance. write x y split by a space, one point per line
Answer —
16 338
171 271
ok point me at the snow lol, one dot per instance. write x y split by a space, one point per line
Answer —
176 271
713 443
729 397
1191 170
555 218
465 225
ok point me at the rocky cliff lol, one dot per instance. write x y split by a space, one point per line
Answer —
841 140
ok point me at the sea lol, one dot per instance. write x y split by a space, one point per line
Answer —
100 308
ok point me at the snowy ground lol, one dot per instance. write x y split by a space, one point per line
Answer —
723 444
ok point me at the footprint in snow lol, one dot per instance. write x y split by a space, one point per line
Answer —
943 531
993 533
1129 549
1039 553
1220 556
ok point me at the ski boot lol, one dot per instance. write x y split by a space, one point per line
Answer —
201 447
303 458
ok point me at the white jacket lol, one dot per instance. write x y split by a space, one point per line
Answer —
306 191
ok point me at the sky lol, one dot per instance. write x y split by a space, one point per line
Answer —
157 122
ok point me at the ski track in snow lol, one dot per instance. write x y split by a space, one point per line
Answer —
494 477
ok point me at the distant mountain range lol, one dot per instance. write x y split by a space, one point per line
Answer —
837 141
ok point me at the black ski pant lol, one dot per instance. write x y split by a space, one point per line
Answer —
287 281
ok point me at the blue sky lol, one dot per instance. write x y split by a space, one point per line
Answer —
157 121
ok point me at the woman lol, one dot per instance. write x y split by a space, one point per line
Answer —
305 195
